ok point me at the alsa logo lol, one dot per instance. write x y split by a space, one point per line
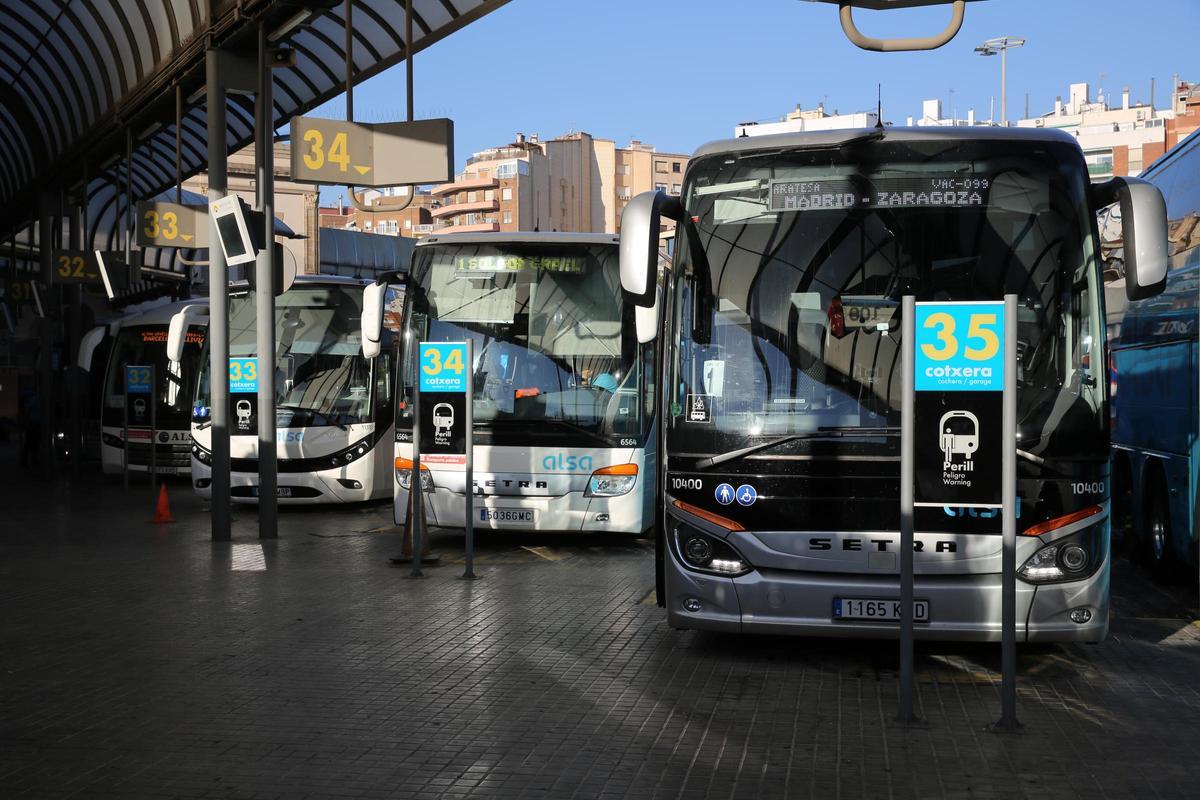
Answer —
562 462
289 436
881 545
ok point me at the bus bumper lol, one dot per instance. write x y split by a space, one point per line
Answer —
961 607
298 488
569 512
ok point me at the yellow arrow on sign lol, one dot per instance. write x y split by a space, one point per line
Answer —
187 237
361 170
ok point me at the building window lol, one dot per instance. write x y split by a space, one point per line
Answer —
506 193
624 192
408 223
507 217
675 167
660 166
662 187
489 195
625 169
471 196
675 187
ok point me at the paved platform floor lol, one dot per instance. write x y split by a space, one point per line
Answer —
144 661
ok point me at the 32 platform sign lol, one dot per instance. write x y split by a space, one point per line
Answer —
959 403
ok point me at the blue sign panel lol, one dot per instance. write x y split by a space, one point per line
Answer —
444 366
959 347
746 495
138 380
724 494
243 375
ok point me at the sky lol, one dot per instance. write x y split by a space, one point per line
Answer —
676 73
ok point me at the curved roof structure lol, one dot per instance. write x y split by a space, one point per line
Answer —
78 76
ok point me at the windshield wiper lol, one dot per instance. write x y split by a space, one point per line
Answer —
831 432
312 413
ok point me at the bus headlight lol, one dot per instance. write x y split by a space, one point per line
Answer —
404 475
1071 558
704 553
612 481
201 454
351 453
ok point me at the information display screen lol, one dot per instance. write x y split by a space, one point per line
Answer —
502 262
944 191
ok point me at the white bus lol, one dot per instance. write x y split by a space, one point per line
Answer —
564 420
333 406
141 339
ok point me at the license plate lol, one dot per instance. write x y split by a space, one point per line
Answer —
280 491
877 609
509 516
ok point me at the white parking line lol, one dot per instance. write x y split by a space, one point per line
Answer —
248 558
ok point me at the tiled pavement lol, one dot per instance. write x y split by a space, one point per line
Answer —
138 660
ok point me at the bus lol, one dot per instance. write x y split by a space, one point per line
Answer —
141 339
780 325
333 406
1155 376
564 420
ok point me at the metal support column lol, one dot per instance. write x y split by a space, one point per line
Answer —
907 426
264 297
46 329
416 491
1008 563
73 299
218 299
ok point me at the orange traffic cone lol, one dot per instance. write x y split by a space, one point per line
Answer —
163 512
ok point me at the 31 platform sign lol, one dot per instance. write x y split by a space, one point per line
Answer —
959 382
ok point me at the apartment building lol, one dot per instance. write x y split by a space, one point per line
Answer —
813 119
575 182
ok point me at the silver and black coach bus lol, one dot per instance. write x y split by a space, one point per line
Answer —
780 327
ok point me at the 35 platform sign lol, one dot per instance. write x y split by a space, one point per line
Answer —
959 381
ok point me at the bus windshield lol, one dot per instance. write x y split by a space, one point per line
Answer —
793 265
553 340
146 345
321 376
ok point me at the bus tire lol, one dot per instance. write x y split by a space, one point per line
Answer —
1159 546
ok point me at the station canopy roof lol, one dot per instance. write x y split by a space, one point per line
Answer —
76 75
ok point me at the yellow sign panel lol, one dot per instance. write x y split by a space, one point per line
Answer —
363 154
171 225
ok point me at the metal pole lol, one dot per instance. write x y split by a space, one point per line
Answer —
218 299
46 222
1003 86
125 426
153 427
178 144
1008 598
128 196
74 322
349 47
907 342
416 490
264 300
408 58
469 574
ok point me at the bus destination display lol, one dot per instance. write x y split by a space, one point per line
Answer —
941 191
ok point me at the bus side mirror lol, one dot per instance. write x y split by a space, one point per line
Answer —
177 332
640 223
87 347
1143 233
372 319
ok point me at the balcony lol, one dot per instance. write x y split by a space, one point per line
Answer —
482 227
454 209
465 185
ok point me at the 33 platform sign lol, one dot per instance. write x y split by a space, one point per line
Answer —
959 382
445 385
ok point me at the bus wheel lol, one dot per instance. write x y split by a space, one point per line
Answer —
1159 548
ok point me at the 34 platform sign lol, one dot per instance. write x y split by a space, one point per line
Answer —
959 382
445 385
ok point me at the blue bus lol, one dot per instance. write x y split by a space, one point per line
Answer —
1154 377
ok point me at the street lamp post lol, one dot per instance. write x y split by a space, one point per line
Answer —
1001 45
